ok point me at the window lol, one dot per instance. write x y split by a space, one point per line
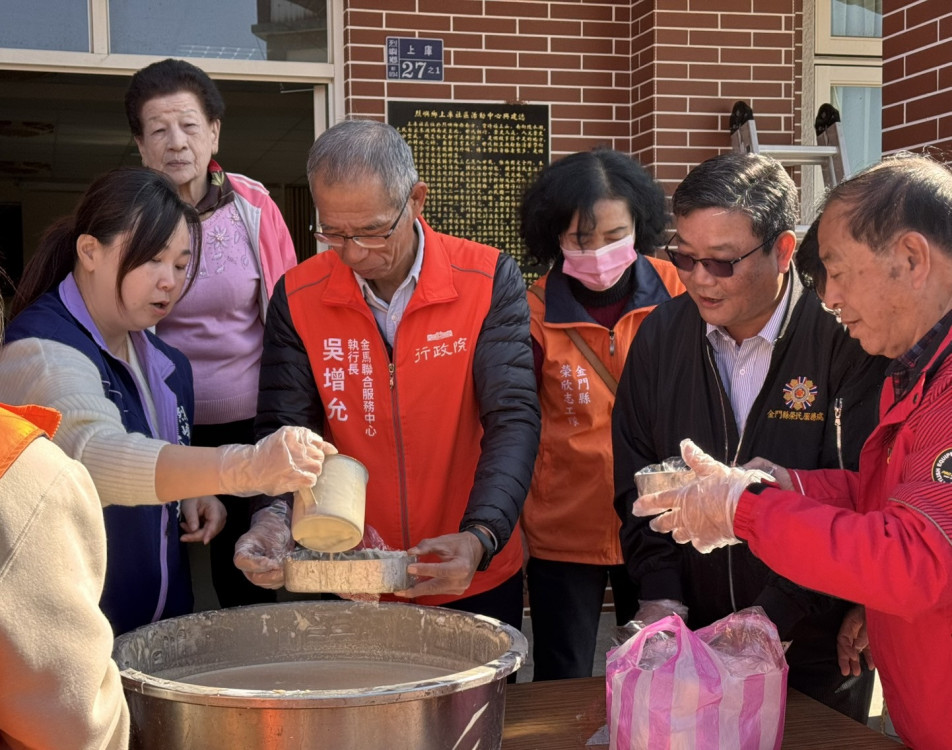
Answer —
250 30
856 91
30 25
849 27
843 62
65 66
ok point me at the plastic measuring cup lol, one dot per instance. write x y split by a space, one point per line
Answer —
329 517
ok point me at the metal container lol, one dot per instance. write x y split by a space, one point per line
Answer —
462 709
329 517
366 571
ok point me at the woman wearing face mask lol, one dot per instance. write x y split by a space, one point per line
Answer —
594 217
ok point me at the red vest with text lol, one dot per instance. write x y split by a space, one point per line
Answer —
413 421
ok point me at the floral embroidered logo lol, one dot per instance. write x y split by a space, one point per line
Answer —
799 394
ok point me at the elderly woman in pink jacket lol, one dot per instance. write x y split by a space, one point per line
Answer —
175 112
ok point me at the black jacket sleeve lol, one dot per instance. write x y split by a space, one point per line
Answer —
653 560
508 406
287 393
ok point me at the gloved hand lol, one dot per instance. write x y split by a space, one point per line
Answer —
702 511
284 461
650 611
459 554
781 476
260 551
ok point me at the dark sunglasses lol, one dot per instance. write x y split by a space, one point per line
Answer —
721 268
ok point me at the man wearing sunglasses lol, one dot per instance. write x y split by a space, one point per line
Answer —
747 363
409 350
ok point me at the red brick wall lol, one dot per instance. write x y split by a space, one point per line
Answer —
656 78
573 56
917 76
707 56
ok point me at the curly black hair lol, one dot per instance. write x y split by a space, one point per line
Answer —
576 183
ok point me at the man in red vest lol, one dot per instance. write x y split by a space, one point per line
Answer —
409 350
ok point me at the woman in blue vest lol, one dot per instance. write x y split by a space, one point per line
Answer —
80 342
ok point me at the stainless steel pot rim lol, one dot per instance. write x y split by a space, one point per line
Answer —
157 687
140 682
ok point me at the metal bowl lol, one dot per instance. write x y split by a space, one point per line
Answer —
461 706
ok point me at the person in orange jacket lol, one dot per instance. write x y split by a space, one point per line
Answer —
595 218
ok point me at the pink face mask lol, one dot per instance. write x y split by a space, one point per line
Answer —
600 269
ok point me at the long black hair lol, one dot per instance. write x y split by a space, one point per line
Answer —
134 200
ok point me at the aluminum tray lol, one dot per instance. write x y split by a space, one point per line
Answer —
367 571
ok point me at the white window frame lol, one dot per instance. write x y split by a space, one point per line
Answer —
826 77
327 78
827 44
829 61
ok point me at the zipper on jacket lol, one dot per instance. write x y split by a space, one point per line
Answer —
838 424
733 462
166 519
398 441
611 342
730 579
721 392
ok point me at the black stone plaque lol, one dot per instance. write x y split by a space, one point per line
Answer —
476 160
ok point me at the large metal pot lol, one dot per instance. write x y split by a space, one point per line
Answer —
462 709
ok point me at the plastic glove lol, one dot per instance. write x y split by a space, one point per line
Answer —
852 641
649 612
372 540
781 476
287 460
702 511
260 551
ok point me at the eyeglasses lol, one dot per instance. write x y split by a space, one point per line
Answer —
721 268
368 241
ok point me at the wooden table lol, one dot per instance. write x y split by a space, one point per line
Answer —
565 714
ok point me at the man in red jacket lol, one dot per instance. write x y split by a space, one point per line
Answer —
879 536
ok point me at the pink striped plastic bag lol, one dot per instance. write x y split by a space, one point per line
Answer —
721 688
